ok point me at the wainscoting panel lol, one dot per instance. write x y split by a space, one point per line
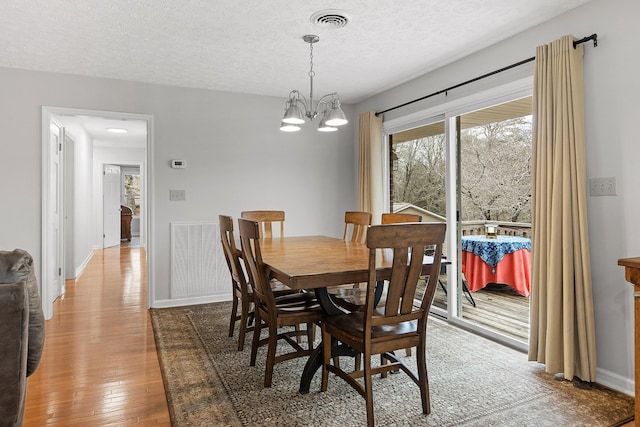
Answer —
198 266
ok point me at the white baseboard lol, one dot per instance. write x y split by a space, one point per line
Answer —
166 303
82 266
615 381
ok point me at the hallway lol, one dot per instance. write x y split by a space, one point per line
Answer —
99 365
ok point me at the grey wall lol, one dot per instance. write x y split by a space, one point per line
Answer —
612 112
237 159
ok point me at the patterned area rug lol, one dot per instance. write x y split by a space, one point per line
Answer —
473 382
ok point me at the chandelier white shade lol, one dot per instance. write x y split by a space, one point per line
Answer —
298 108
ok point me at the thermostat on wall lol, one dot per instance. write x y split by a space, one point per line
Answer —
178 164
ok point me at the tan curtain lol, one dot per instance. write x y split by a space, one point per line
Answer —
370 165
562 322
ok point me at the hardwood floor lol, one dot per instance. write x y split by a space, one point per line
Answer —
99 365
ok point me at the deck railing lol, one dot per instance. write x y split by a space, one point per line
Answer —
505 228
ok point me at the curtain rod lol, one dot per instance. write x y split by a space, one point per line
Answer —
593 37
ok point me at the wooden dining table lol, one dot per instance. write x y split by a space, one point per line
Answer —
317 263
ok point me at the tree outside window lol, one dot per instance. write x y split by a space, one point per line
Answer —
495 172
131 194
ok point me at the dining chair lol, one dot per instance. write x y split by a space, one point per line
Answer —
358 223
242 291
397 325
242 298
398 218
355 230
348 296
272 312
268 220
353 297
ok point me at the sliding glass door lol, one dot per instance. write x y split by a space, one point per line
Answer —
472 169
494 193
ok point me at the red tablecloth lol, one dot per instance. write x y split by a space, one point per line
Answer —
514 270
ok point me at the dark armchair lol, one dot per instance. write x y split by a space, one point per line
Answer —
21 332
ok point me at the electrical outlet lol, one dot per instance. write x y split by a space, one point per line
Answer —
602 186
176 195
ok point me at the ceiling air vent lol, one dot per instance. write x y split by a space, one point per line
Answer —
330 19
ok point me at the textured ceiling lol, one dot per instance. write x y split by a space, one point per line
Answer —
256 46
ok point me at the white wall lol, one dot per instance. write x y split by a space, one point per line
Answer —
237 159
612 111
83 200
83 194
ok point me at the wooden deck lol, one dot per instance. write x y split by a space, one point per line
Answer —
498 307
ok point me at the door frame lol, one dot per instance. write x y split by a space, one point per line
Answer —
68 208
146 220
48 284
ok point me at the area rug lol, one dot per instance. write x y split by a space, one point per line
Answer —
473 382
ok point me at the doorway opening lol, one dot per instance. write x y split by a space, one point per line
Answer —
80 193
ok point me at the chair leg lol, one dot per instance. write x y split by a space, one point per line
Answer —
246 320
467 292
243 327
383 361
423 378
256 338
271 354
311 334
298 336
336 362
368 389
234 314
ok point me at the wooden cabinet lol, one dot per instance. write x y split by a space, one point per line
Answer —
632 274
126 214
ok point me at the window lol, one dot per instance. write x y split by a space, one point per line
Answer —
131 190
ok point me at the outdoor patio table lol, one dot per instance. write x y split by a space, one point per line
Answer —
505 259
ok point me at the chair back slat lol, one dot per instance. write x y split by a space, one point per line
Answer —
406 244
358 222
266 220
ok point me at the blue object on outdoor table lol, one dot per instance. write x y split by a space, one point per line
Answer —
493 250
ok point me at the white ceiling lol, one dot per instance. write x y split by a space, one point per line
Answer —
255 46
136 136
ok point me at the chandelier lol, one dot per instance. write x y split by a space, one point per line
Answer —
298 107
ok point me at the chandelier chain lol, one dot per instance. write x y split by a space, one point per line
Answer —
311 72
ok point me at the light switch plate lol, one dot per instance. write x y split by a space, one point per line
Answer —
176 195
602 186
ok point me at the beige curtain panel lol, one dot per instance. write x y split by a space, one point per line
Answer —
370 166
562 323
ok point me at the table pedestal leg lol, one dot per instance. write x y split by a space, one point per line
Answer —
316 359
